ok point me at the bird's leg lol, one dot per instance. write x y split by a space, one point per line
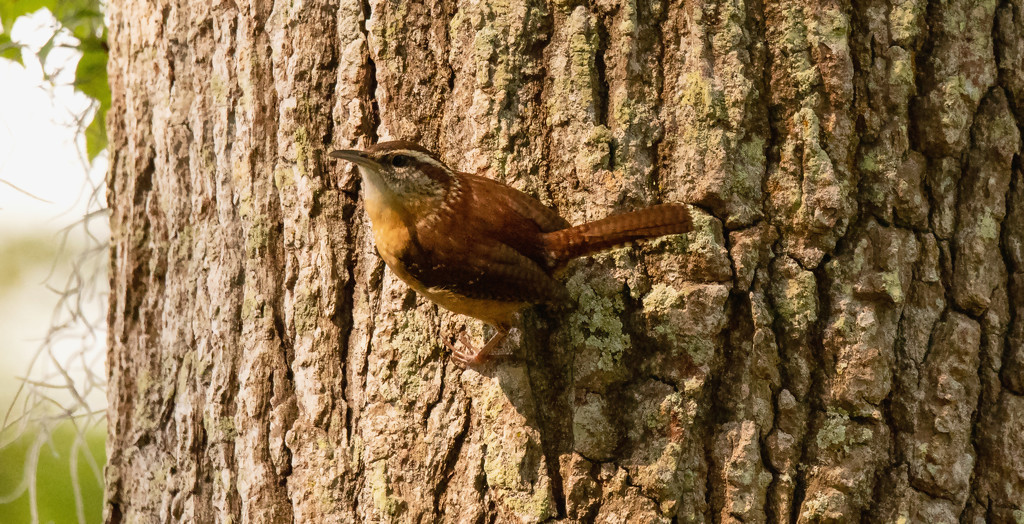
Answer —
468 355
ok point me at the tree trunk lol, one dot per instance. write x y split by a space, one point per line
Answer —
840 340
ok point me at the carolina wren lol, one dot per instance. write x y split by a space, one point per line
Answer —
478 247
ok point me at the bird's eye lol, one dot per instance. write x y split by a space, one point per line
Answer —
400 160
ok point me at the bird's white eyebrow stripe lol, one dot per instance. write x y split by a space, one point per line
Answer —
422 157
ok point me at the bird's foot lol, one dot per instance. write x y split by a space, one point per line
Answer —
468 355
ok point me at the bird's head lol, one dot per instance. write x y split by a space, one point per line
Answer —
402 172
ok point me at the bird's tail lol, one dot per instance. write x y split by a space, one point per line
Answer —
592 237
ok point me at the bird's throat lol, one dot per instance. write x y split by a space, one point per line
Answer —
389 219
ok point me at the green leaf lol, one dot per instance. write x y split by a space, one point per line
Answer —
91 74
84 20
10 10
96 134
9 49
70 11
47 47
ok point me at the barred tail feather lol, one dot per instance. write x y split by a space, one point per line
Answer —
592 237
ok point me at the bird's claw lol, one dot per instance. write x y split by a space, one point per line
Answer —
467 355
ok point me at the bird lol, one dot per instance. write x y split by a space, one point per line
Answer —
478 247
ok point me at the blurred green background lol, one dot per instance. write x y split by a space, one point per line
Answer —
53 237
46 446
55 492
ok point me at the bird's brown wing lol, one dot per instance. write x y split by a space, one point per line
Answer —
519 205
482 269
507 215
488 244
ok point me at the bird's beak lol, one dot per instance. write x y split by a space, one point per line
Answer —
356 157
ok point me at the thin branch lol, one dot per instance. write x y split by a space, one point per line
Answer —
22 191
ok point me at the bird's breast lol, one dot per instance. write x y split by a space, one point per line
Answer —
393 236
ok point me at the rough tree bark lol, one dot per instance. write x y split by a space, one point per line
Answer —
841 340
